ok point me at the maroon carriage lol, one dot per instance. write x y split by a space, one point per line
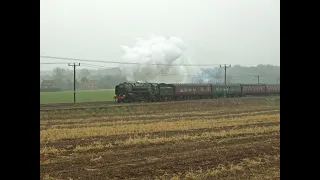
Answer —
192 91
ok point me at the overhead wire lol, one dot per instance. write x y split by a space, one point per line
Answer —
135 63
117 68
116 62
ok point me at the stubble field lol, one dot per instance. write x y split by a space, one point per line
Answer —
218 139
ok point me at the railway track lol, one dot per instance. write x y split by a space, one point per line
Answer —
58 105
107 104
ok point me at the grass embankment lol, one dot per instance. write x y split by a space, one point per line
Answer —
81 96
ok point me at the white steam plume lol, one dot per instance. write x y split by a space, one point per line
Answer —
156 50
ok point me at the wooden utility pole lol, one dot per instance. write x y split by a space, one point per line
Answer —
225 78
258 76
74 80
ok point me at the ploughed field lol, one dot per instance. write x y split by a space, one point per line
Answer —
218 139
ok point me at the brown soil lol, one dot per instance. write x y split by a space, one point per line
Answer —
167 160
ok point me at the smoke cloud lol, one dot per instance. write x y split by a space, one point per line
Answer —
156 50
209 75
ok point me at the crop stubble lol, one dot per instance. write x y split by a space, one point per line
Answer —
222 139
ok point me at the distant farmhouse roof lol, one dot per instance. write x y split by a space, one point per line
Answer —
47 84
90 83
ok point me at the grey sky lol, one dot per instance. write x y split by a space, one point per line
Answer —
245 32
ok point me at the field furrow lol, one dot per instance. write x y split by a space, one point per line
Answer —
233 141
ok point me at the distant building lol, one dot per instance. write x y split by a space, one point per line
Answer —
89 85
71 85
46 84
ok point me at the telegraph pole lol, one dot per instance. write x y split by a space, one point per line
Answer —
225 78
74 80
258 76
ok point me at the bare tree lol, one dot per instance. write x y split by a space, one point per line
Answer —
59 73
229 79
59 76
84 73
84 80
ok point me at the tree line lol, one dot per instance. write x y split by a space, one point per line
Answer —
64 78
107 79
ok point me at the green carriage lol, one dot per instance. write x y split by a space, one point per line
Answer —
217 90
232 90
166 92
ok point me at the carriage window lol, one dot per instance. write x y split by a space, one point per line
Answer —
194 89
208 88
181 89
190 89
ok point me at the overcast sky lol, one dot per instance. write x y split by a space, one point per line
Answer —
245 32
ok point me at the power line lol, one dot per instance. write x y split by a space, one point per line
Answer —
92 65
53 63
203 75
104 67
194 75
84 64
116 68
114 62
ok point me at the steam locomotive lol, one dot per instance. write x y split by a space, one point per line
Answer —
158 92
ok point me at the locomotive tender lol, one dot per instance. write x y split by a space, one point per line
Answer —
158 92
